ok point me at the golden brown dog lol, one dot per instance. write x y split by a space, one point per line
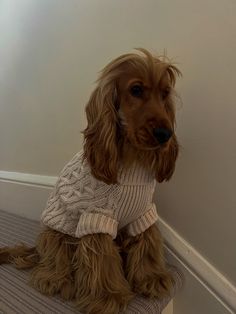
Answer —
131 118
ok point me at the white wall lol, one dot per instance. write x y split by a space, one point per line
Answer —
50 53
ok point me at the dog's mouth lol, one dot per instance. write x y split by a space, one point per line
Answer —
144 140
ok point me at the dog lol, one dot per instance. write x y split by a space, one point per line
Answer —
100 244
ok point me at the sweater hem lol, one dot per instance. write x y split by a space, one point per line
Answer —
143 222
91 223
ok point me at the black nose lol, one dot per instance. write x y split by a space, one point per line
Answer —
162 135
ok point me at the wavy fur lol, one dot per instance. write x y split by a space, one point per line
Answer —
105 138
99 274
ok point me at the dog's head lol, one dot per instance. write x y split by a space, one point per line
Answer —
132 107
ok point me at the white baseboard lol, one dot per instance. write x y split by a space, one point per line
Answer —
196 265
29 179
169 308
26 195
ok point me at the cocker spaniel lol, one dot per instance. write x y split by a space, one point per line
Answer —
100 244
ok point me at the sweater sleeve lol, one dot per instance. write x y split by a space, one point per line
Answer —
99 216
143 222
80 204
90 223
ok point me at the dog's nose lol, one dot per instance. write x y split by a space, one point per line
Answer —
162 135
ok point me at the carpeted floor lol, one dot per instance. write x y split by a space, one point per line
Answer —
16 297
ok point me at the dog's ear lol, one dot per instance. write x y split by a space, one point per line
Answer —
167 158
100 136
166 161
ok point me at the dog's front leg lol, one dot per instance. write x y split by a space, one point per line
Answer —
100 282
145 266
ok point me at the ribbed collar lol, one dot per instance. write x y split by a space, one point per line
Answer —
135 174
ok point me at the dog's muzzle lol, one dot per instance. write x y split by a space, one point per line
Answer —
162 135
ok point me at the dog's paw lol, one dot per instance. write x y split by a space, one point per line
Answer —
44 285
156 286
67 289
106 303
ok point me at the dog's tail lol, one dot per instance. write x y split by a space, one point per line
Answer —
20 256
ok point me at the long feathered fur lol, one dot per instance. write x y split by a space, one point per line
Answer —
99 274
104 142
145 264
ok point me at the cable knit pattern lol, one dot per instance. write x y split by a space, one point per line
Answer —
80 204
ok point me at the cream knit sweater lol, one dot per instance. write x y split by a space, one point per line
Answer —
81 205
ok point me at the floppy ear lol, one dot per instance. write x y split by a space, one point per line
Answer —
166 161
101 142
167 158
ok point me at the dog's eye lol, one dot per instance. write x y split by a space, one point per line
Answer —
136 91
165 93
